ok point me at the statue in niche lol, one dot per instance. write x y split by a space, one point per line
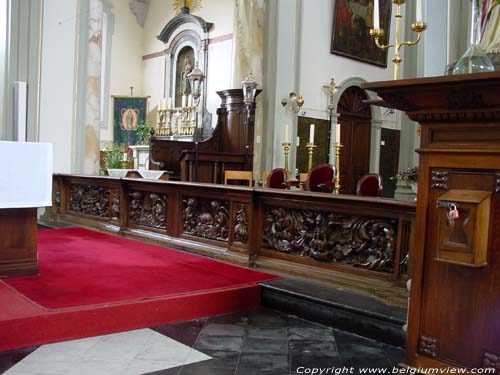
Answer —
184 66
185 86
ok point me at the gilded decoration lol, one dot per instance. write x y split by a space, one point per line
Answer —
148 209
89 199
363 242
241 224
208 218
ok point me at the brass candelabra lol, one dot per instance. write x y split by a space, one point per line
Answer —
286 151
310 151
337 146
419 27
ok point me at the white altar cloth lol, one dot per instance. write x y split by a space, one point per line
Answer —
25 174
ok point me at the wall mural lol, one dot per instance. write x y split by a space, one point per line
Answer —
364 242
352 22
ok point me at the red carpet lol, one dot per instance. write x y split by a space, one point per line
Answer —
92 283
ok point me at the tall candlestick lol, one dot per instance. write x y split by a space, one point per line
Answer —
376 15
286 134
311 134
337 133
419 11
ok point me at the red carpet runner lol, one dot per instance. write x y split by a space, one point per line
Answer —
92 283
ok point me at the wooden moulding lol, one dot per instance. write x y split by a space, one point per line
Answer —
314 235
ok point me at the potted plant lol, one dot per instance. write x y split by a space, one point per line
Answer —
409 176
142 130
114 161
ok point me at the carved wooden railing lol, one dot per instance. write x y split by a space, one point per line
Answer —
310 234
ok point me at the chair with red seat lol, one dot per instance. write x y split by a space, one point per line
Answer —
370 185
276 179
321 178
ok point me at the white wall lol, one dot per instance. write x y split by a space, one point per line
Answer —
318 65
125 60
221 14
57 91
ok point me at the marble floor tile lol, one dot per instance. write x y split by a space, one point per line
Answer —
126 353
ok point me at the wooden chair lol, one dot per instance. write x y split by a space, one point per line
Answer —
276 179
239 175
321 179
370 185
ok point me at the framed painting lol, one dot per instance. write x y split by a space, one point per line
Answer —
127 113
352 21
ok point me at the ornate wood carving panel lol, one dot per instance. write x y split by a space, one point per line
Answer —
439 179
89 199
148 209
115 205
427 346
241 224
208 218
364 242
491 361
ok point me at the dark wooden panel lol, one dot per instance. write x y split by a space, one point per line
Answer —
18 250
389 160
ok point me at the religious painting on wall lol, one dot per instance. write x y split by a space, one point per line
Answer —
128 112
352 21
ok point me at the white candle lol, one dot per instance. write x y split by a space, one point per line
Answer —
376 15
298 141
125 158
164 106
183 101
311 133
337 133
169 103
419 11
190 100
286 134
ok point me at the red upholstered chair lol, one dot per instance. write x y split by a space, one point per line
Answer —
321 178
370 185
276 179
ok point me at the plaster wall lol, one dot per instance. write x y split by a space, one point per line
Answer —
126 66
57 86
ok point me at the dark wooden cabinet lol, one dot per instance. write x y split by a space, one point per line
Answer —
229 147
454 316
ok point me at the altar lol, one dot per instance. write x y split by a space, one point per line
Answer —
27 185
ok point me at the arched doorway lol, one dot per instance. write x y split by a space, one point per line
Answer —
355 135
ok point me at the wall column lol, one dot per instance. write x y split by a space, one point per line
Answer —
93 89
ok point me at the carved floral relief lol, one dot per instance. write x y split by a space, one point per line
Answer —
363 242
208 218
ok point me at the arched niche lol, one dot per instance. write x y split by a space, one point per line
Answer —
186 35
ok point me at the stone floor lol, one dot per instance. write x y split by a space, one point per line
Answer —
256 342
